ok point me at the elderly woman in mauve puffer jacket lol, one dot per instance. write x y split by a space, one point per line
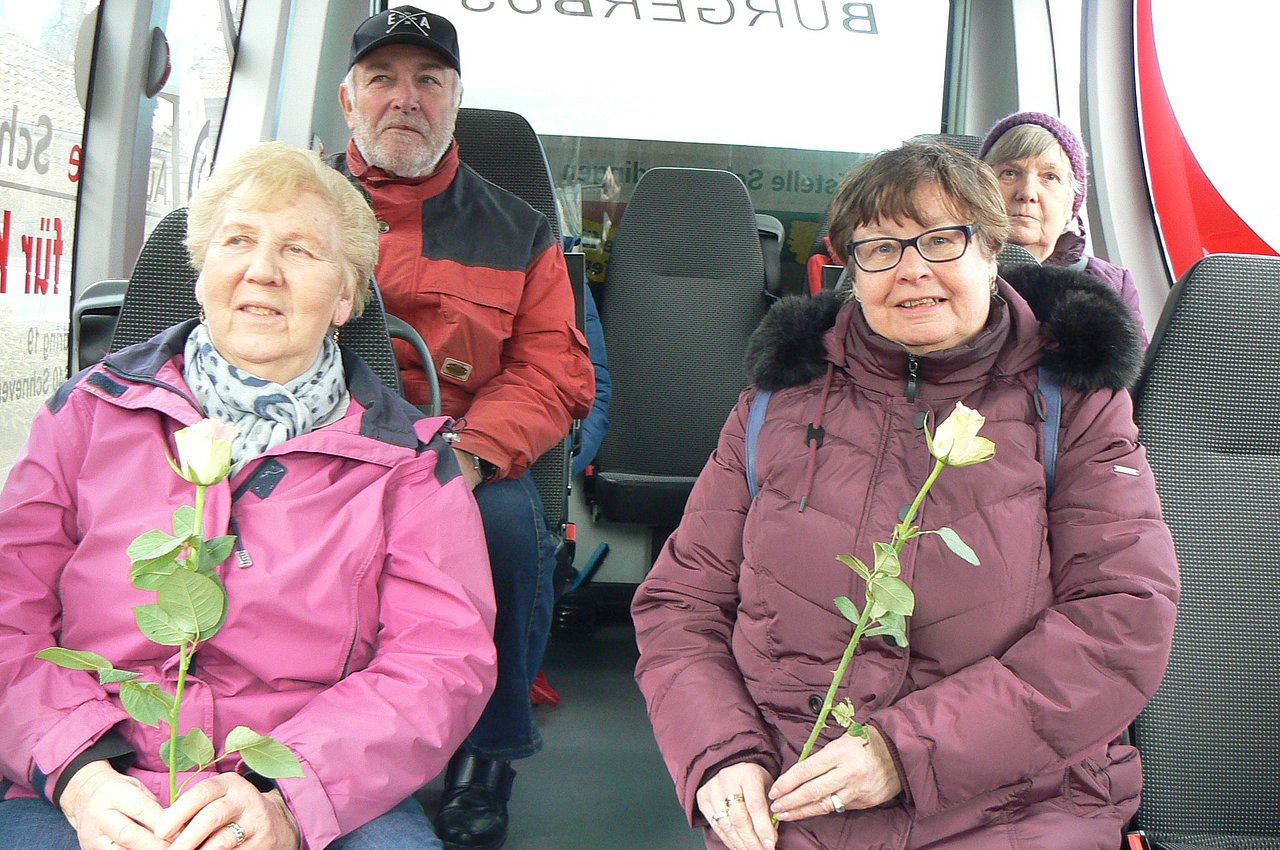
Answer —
1001 724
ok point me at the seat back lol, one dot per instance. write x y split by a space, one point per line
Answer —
959 141
1012 256
1209 415
681 296
162 293
503 148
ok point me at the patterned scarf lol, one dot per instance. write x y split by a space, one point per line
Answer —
266 413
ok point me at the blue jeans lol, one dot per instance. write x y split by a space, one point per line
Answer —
522 553
32 823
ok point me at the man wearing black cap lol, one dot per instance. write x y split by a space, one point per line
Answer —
478 273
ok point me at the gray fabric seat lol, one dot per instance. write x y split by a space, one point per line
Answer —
1209 414
503 148
682 295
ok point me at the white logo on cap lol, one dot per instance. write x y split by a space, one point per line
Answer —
419 20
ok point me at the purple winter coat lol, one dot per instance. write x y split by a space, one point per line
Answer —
1069 253
1004 712
360 635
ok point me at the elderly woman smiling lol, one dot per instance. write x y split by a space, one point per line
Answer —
1040 163
359 631
1000 725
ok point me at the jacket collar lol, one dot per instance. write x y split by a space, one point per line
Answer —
386 417
1070 322
432 184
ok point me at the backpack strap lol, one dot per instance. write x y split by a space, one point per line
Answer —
1051 393
755 421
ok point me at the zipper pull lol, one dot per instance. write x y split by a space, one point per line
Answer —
242 556
913 377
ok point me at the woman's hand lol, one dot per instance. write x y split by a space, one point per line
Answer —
859 772
203 818
110 810
734 803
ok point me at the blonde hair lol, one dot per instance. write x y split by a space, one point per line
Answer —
886 186
272 173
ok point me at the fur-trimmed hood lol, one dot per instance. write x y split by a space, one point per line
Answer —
1091 338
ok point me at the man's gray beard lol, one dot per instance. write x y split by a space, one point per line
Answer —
419 163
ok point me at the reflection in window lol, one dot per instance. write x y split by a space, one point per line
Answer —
188 110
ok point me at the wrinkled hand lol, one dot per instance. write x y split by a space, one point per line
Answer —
199 818
739 790
860 772
107 808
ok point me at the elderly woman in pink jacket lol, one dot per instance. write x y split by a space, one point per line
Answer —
361 611
1000 724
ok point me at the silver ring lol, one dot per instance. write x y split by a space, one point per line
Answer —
716 817
836 803
238 831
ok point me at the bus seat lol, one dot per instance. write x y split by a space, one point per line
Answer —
93 320
1209 416
681 296
1012 256
772 236
161 293
503 148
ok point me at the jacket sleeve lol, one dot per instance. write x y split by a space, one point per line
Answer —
376 736
546 380
596 425
684 611
1090 661
48 715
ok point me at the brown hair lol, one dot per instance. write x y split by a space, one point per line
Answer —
886 187
272 173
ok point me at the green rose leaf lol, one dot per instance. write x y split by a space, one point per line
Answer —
958 546
113 675
215 551
859 730
892 625
181 761
196 746
148 574
892 595
194 602
855 564
184 522
154 544
146 702
848 609
265 755
158 626
887 563
842 713
74 659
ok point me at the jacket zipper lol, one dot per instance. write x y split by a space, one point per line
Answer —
913 377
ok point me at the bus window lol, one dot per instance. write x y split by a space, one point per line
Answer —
41 144
188 110
785 93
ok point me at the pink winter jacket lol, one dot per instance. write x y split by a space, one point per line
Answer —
361 605
1004 712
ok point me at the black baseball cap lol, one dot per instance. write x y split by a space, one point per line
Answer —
407 25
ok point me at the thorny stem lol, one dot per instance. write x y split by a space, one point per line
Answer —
185 651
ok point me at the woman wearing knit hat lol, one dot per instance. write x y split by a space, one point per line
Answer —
1041 165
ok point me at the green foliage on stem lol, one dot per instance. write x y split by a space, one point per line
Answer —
190 608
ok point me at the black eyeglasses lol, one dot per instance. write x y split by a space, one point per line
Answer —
939 245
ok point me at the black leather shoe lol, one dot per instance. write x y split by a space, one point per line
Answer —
473 808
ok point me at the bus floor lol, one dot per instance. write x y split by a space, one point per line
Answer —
599 781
